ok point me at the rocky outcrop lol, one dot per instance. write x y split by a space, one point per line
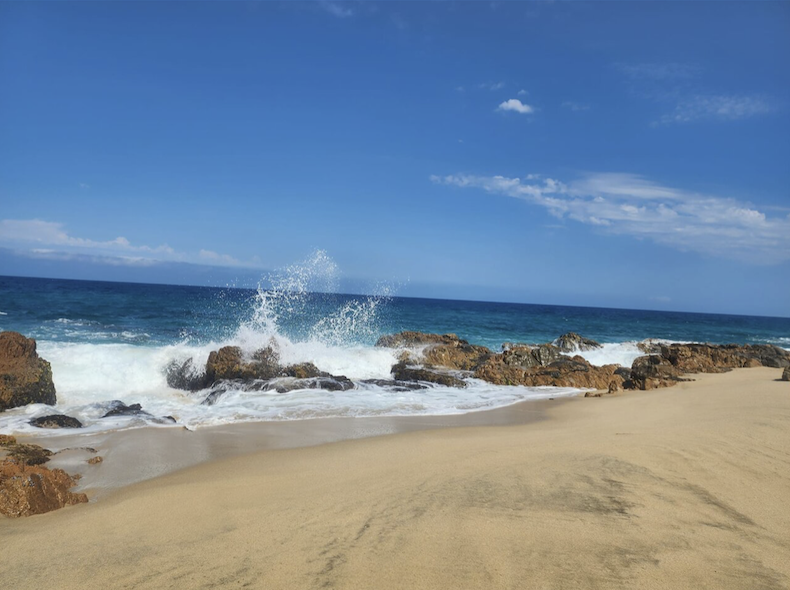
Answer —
25 378
26 486
228 363
441 350
562 372
673 361
56 421
573 342
526 357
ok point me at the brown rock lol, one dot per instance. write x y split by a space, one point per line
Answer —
615 385
409 338
228 363
405 372
303 371
563 372
442 350
95 460
25 378
525 357
786 374
572 342
7 439
32 489
28 454
652 371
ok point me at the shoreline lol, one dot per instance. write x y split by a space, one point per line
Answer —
678 487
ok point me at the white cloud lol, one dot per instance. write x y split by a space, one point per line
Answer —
41 236
516 105
628 204
726 107
336 9
522 92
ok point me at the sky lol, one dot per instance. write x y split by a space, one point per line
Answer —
605 154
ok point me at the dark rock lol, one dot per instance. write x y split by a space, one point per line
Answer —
25 378
118 408
185 375
56 421
396 386
649 346
303 371
404 372
408 338
525 357
572 342
327 383
28 454
228 363
27 489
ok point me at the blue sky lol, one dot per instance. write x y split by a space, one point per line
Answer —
606 154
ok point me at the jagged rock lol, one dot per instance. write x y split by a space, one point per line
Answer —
7 439
653 371
572 342
394 385
303 371
56 421
185 375
27 489
616 385
562 372
409 338
25 378
650 346
404 372
786 374
327 383
525 357
118 408
707 358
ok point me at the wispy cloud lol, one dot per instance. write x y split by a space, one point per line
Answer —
491 85
522 92
722 107
517 106
50 239
337 9
628 204
575 106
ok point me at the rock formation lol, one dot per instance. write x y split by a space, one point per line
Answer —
25 378
562 372
441 350
56 421
572 342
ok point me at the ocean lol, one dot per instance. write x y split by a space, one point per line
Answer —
114 341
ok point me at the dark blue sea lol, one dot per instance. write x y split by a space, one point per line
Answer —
113 341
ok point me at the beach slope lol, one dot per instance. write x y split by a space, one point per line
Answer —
686 487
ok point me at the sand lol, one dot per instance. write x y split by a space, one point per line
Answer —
687 487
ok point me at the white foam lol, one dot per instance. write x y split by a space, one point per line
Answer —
618 353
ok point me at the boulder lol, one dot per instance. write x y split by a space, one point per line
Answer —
185 375
55 421
441 350
25 378
27 489
786 374
303 371
573 342
405 372
228 363
653 371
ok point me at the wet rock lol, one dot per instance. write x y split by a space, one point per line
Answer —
27 489
441 350
7 439
405 372
25 378
28 454
95 460
185 375
503 369
56 421
409 338
786 374
303 371
396 386
228 363
525 357
328 383
572 342
118 408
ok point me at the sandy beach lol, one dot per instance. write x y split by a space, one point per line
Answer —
685 487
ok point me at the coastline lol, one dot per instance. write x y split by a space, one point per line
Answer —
679 487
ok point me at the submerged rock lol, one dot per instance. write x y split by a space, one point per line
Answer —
185 375
405 372
395 385
572 342
25 378
118 408
56 421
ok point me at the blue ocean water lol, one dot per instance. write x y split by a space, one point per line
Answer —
109 341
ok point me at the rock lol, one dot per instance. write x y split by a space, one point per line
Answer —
56 421
28 454
404 372
593 394
25 378
228 363
27 489
563 372
525 357
118 408
649 346
708 358
786 374
441 350
328 383
303 371
7 439
572 342
185 375
652 371
95 460
615 385
396 386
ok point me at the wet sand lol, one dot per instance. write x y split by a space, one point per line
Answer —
687 487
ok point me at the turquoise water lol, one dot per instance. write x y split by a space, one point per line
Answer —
114 341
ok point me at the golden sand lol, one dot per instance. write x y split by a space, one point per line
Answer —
687 487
